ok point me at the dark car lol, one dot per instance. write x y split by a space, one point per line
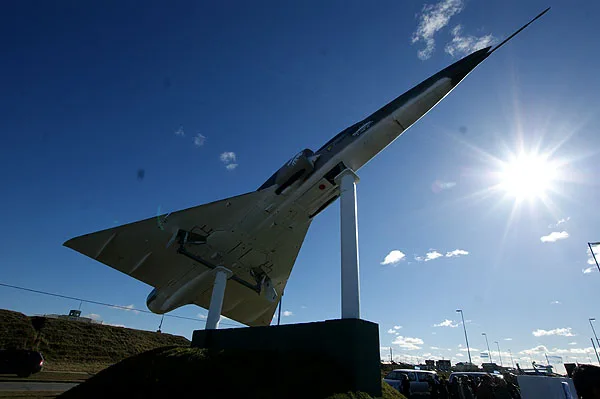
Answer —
21 362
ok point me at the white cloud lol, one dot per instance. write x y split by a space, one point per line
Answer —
438 185
432 255
459 355
557 351
397 327
532 351
588 269
199 140
391 331
463 45
508 339
446 323
456 252
408 343
287 313
565 332
93 316
555 236
180 132
434 348
556 303
572 343
561 221
114 325
469 349
127 308
393 257
132 308
229 159
573 351
433 18
202 316
591 260
303 307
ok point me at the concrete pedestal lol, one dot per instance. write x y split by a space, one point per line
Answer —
352 343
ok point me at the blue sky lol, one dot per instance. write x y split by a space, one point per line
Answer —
94 92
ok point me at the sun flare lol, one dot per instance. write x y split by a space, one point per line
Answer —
527 176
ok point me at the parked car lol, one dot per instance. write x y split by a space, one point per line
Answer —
21 362
420 380
472 375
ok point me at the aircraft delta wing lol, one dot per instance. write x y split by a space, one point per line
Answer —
176 253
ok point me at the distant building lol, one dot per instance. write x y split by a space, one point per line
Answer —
74 315
491 367
465 367
443 365
429 364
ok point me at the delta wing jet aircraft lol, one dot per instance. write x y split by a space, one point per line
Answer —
258 235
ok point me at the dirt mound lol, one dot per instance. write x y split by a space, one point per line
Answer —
68 343
187 372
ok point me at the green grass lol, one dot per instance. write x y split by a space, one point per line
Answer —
75 346
186 372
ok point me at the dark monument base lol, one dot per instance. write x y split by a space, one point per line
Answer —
353 343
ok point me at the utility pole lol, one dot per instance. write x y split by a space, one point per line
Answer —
465 329
511 359
488 346
391 356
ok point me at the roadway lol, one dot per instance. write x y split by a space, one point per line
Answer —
32 386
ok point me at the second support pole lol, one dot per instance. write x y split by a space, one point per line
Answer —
216 299
349 245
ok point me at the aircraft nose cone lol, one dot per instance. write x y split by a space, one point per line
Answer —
461 68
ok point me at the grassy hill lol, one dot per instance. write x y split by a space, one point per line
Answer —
187 372
72 345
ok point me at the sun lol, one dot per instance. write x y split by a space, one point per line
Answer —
527 176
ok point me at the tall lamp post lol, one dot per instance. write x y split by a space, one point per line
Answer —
594 331
499 355
488 346
465 329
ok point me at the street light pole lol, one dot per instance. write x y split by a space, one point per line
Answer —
511 359
499 355
594 331
488 346
466 338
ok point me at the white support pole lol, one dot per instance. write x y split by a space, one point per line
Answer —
216 299
349 242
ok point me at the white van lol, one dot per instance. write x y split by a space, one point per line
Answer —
420 380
